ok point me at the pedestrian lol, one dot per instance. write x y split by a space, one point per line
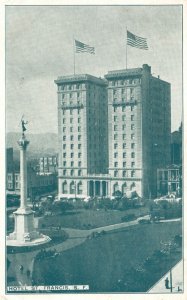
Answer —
21 269
28 273
167 283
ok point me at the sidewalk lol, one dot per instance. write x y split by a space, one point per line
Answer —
177 281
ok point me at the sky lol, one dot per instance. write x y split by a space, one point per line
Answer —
39 48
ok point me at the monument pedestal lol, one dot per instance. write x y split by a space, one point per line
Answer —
24 233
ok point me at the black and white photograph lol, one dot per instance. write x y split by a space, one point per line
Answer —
94 149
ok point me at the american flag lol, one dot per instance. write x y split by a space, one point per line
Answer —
136 41
81 47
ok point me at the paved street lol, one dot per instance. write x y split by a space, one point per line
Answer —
177 281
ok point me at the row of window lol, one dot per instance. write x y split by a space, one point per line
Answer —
122 108
124 145
72 172
72 146
126 81
124 173
124 154
71 95
123 117
124 136
123 127
124 164
71 137
79 154
70 87
72 164
70 129
77 111
72 120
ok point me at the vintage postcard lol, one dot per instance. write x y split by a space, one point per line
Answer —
94 131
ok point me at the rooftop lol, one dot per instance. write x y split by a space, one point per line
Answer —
80 78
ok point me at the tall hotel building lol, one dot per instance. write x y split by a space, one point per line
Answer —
113 133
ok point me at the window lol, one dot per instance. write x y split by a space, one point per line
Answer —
132 107
62 87
115 154
71 102
132 126
63 96
115 118
64 163
78 111
79 155
115 136
79 172
78 95
124 136
124 145
71 137
130 81
115 173
133 173
79 120
70 95
123 108
116 164
122 82
123 91
64 172
115 109
115 146
114 92
123 126
79 146
132 155
132 136
64 120
72 172
77 86
132 117
79 163
64 138
79 137
132 145
71 120
72 163
124 164
132 164
72 146
124 154
71 129
64 146
70 87
124 118
79 128
124 173
71 111
64 129
115 127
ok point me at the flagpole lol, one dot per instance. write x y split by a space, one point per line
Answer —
74 55
126 48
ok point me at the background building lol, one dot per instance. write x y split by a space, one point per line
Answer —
113 133
176 146
169 180
48 164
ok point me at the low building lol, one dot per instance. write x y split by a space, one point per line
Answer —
169 180
48 164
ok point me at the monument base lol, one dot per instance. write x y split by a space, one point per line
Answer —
41 239
25 234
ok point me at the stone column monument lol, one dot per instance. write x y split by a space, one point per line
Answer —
24 233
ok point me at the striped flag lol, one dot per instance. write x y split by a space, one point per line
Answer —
81 47
136 41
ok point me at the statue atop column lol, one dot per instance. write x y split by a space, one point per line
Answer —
23 123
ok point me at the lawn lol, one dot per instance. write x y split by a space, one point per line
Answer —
108 263
84 219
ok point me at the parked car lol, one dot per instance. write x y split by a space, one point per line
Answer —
144 221
129 217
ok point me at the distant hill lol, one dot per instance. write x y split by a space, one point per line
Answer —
40 144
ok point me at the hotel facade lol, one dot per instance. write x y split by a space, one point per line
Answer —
113 133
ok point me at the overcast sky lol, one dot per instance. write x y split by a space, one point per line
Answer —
39 47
